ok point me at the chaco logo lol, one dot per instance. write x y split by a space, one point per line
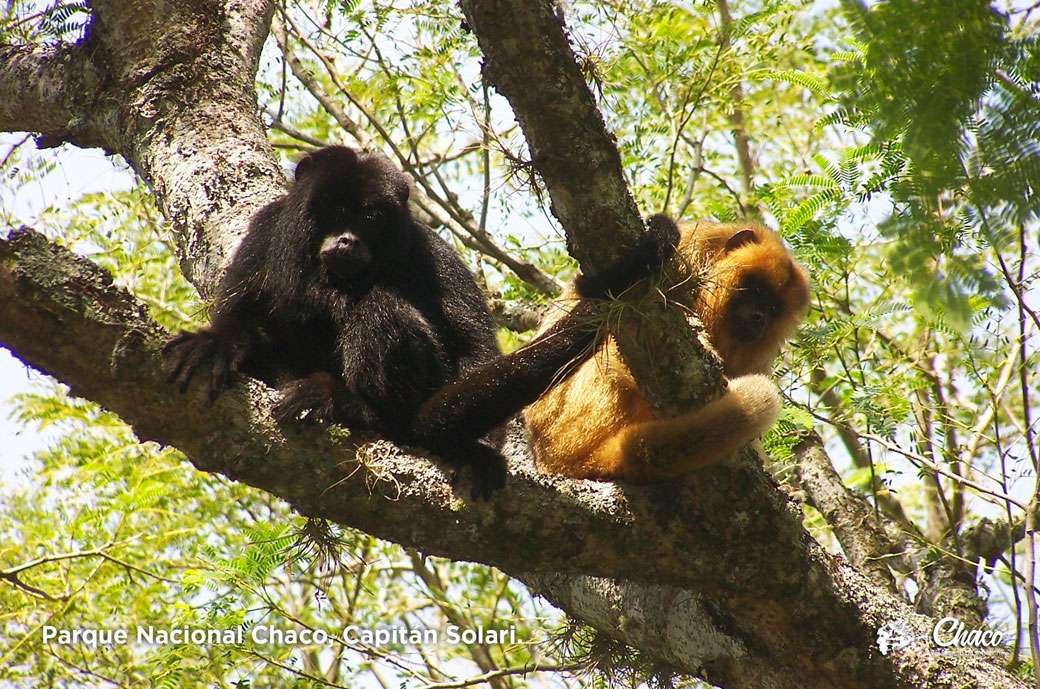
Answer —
947 632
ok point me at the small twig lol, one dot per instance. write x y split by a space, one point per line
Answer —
30 589
691 181
83 670
718 178
296 671
281 126
924 461
485 126
14 147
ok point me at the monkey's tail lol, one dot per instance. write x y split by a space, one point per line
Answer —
489 395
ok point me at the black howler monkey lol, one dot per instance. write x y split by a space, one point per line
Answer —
360 315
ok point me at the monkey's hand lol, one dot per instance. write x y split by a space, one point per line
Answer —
206 352
655 247
487 464
307 400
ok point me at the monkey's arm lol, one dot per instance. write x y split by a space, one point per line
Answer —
662 449
221 348
391 360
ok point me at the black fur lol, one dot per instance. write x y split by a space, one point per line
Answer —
655 247
360 315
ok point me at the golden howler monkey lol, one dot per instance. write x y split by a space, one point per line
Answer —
362 316
750 295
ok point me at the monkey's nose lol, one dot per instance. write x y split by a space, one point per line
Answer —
347 243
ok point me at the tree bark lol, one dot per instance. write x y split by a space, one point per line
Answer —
863 537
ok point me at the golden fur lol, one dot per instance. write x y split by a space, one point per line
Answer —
596 424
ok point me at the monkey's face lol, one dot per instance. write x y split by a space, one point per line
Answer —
752 296
353 239
358 206
344 257
752 311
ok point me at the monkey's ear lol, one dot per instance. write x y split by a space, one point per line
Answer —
740 239
305 166
406 189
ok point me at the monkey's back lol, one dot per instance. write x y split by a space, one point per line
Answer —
569 423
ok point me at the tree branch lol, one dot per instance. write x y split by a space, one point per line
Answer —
60 314
863 537
736 119
55 92
528 59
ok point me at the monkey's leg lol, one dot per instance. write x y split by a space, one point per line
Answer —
665 448
494 392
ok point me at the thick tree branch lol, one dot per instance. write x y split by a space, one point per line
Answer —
862 534
769 588
60 313
55 91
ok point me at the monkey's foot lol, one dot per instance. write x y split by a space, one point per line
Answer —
309 400
487 465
